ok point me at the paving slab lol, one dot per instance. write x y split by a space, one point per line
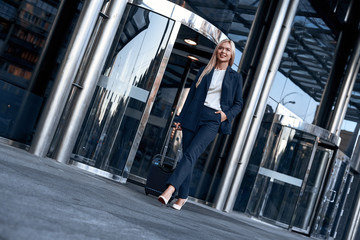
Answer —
44 199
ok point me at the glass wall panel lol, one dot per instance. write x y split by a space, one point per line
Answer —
29 60
306 63
281 174
292 154
261 146
308 199
25 26
118 104
342 213
344 221
330 200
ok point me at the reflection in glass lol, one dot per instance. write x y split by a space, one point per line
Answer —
179 74
306 63
329 202
117 106
280 201
292 154
255 159
307 201
282 170
25 27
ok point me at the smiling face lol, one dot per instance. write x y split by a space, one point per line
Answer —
223 54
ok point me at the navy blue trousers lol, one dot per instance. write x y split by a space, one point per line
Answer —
194 144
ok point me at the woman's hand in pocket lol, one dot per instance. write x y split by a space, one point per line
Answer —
223 115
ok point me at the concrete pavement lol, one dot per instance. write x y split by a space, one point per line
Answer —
43 199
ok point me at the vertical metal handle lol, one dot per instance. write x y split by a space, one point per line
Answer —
333 195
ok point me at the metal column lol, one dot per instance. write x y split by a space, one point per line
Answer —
346 90
62 86
260 109
345 44
90 78
249 108
249 56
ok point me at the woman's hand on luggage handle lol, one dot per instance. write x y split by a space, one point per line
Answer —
177 125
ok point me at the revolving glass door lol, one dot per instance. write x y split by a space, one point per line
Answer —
122 100
146 77
183 66
289 179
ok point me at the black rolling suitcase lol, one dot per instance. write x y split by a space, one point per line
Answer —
164 164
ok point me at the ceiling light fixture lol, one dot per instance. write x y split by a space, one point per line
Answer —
190 42
193 58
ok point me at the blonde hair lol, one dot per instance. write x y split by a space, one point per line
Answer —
211 64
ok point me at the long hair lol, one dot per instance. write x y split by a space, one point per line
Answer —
211 64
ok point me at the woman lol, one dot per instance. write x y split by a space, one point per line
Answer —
215 98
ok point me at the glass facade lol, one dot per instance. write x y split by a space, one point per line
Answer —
25 26
299 176
305 65
28 62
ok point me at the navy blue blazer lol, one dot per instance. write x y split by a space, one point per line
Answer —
231 100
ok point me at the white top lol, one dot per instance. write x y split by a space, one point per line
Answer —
214 93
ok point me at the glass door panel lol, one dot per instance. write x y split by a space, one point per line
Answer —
260 148
280 199
179 74
307 202
329 204
292 154
119 102
160 118
339 223
280 177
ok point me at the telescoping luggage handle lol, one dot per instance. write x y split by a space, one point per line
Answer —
166 146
